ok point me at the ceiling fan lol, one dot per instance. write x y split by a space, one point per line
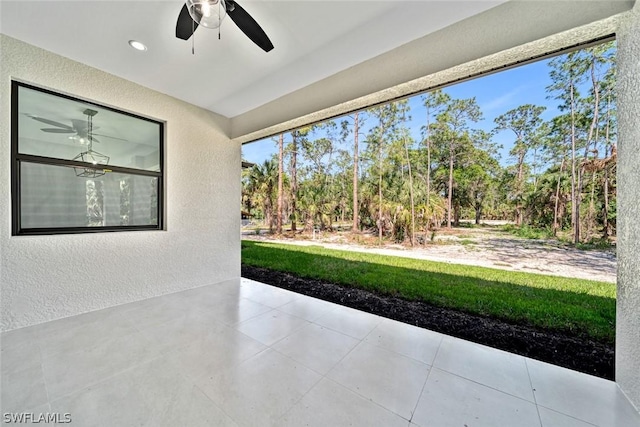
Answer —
210 13
83 129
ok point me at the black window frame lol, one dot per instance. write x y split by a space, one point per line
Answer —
17 159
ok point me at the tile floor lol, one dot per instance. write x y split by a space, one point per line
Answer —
241 353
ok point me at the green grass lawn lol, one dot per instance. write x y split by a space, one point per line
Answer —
576 306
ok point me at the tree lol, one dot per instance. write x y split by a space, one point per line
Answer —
556 150
297 136
293 168
565 77
596 58
280 183
356 134
264 179
525 122
316 197
248 190
405 140
608 85
588 67
388 117
341 190
391 185
480 173
453 124
434 102
357 119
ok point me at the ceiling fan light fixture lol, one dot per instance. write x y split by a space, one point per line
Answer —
94 158
208 13
79 139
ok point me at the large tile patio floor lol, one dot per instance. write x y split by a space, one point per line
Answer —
245 353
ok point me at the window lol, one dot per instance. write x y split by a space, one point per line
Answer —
81 167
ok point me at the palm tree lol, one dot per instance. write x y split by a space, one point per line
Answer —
263 181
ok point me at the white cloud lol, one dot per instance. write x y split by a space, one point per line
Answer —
503 102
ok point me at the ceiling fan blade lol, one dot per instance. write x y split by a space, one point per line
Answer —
248 25
51 122
57 130
185 25
111 137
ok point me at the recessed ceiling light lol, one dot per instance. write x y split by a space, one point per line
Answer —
137 45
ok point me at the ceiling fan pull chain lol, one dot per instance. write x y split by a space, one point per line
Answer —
219 18
193 38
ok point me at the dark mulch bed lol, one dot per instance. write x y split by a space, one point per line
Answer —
571 352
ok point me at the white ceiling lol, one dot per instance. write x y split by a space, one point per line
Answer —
312 39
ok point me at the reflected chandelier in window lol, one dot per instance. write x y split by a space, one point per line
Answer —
90 156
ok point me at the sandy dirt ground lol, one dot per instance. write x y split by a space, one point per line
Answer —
485 247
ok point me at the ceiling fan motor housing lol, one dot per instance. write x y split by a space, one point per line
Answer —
208 13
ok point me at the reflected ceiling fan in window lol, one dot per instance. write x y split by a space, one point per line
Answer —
210 13
79 127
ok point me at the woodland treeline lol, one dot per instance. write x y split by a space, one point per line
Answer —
367 171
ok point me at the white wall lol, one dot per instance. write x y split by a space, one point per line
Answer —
628 301
49 277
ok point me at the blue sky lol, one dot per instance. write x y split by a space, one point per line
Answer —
495 94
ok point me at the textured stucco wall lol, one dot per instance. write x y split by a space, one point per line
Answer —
628 308
48 277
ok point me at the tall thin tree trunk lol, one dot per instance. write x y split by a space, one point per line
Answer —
592 208
520 189
380 194
456 215
535 169
280 184
606 224
592 128
294 181
577 202
450 197
575 218
356 209
268 211
555 208
428 172
428 139
413 209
